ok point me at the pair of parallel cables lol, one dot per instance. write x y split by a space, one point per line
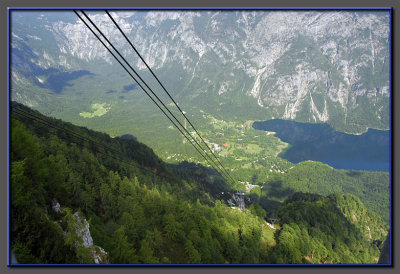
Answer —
221 170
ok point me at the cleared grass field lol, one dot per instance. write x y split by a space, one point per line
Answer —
98 110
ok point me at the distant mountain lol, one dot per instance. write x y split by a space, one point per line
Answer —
311 66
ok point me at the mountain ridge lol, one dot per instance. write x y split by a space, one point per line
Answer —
307 66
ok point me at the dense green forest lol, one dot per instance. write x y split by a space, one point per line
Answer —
328 229
371 187
66 181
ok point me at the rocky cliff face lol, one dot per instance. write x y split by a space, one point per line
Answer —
78 232
316 66
98 254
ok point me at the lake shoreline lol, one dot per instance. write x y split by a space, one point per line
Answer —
320 142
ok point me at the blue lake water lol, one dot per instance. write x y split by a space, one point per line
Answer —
320 142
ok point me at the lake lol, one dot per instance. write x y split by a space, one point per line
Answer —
320 142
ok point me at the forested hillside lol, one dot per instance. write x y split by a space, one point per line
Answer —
79 196
330 230
136 217
373 188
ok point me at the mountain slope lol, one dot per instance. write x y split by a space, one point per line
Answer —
133 216
329 230
74 202
329 66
